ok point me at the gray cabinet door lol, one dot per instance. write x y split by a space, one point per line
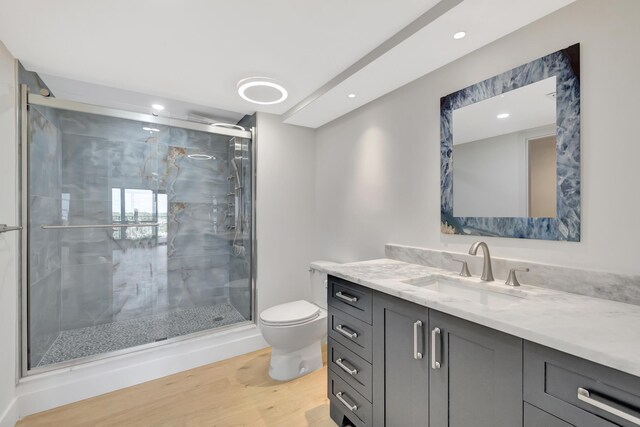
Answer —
479 379
400 376
534 417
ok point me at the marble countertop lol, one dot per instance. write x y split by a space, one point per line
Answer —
599 330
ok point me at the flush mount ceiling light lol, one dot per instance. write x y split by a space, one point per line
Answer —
262 90
157 107
200 157
503 115
459 35
151 129
351 95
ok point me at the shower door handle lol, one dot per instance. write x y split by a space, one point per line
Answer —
4 228
61 227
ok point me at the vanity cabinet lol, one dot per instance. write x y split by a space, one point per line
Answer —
476 375
534 417
349 353
580 392
393 363
400 363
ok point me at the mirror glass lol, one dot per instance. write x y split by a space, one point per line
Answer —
504 154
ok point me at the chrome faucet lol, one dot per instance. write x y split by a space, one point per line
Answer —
487 271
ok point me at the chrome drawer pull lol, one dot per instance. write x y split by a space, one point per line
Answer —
417 333
346 297
435 343
345 403
585 396
344 331
345 368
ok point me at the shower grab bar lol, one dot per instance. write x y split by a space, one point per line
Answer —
58 227
4 228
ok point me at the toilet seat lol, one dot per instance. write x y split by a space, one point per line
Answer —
290 314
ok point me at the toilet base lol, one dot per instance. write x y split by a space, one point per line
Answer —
287 365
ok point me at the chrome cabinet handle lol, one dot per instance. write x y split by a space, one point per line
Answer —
435 344
345 368
345 403
344 331
585 396
346 297
417 333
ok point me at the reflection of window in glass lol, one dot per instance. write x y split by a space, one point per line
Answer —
135 206
162 205
116 211
139 207
66 201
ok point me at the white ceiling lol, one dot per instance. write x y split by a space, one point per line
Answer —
427 50
528 107
195 51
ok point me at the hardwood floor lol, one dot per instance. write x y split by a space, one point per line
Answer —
233 393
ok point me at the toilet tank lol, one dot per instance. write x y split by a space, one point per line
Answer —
318 278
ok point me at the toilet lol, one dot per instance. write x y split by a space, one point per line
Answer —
295 331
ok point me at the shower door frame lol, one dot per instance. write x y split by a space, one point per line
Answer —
25 99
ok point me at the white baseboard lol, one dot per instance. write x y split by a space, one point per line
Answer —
56 388
9 417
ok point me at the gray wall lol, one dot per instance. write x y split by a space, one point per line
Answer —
285 211
378 174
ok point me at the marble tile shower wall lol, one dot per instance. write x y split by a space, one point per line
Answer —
198 247
45 245
240 266
109 276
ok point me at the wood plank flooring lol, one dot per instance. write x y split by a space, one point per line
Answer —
232 393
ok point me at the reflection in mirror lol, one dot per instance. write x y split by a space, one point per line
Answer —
504 154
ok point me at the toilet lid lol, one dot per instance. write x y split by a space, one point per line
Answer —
291 313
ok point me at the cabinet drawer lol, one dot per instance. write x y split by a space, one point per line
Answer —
350 367
352 333
350 298
534 417
558 383
349 402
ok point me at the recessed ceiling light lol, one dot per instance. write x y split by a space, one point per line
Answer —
352 95
262 90
200 157
157 107
502 115
459 35
151 129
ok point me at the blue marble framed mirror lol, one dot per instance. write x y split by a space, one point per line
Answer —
510 152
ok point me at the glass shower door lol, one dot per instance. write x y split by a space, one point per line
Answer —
137 233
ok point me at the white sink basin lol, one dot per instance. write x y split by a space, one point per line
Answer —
467 291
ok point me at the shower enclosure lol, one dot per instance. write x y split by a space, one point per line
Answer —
140 230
